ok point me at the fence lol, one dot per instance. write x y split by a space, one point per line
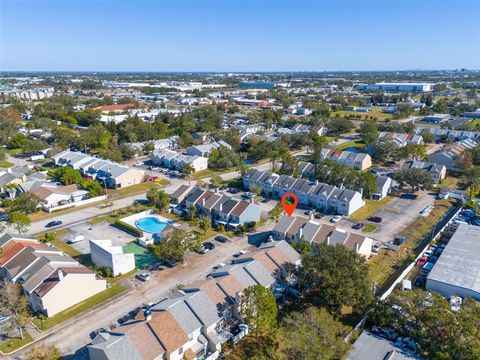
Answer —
74 204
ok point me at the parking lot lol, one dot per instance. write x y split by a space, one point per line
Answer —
100 231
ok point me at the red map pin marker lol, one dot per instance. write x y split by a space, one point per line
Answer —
287 204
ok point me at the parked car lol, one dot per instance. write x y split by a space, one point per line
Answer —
221 238
406 344
420 281
384 332
209 245
318 216
203 250
170 263
358 226
376 247
409 196
422 261
336 219
143 276
53 223
376 219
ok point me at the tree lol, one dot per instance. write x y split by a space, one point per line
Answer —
415 178
148 148
427 318
20 221
43 352
334 277
128 151
276 212
428 137
158 198
205 224
175 245
412 151
13 302
25 202
313 334
93 187
187 169
464 160
67 176
384 150
216 181
259 310
369 132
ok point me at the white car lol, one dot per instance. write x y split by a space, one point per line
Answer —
336 219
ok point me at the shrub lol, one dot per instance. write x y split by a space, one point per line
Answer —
128 228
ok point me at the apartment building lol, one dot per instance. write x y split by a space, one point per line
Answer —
114 175
206 149
449 155
455 135
175 160
401 139
310 193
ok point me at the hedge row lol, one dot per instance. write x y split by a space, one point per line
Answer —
129 228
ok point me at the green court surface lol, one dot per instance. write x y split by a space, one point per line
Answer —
143 257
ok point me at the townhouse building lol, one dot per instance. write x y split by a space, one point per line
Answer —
455 135
174 160
111 174
321 196
357 161
436 170
206 149
51 280
401 139
196 321
222 209
449 155
294 229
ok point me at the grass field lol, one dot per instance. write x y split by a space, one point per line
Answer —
112 291
5 164
369 228
370 208
359 144
13 151
385 263
376 112
10 345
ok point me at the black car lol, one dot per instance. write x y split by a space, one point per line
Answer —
208 245
420 281
358 226
53 223
409 196
221 238
96 332
170 263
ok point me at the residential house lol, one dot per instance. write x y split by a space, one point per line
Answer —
112 174
455 135
449 155
51 195
103 253
294 229
436 170
172 159
206 149
51 280
10 178
310 193
357 161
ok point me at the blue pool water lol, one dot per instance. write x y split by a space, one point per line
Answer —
151 225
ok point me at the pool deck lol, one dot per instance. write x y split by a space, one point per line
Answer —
132 219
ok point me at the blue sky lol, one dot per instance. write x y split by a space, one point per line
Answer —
238 35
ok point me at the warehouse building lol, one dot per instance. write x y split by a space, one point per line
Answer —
457 271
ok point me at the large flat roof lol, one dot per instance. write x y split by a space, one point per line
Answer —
459 264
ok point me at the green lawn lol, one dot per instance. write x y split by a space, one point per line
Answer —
359 144
62 245
370 208
376 112
13 151
5 164
114 290
369 228
136 189
10 345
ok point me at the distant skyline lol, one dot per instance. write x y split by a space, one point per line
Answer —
238 36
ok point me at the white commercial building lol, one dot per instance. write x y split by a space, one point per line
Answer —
457 271
386 86
106 255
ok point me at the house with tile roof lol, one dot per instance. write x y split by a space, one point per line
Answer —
51 280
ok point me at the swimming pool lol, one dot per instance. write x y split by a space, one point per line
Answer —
151 225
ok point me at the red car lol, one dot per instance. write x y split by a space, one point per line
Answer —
376 219
422 261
